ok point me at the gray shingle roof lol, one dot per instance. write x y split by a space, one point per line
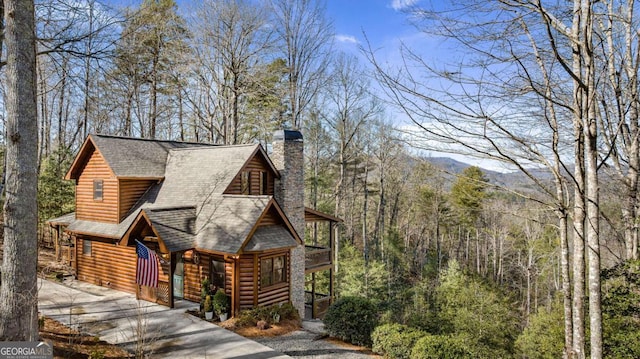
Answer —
133 157
194 178
270 237
100 229
192 175
175 226
224 222
64 219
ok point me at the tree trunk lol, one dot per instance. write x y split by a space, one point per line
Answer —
18 293
566 279
87 73
181 112
593 188
579 209
153 117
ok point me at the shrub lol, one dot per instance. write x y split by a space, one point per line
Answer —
220 302
543 338
288 312
395 340
621 310
208 304
271 314
442 347
97 354
204 289
351 319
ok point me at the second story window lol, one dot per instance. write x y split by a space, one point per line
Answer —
264 182
98 187
245 182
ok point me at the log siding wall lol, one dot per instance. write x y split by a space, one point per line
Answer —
105 210
271 218
247 282
278 293
129 192
195 273
110 265
256 165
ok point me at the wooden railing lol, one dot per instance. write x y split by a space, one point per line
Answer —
162 293
316 256
319 303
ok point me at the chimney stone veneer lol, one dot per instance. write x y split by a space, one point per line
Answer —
288 158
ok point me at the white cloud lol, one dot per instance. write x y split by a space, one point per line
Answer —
402 4
346 39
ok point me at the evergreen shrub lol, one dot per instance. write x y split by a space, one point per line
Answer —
351 319
442 347
395 341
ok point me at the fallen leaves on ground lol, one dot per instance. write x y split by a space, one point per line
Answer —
69 343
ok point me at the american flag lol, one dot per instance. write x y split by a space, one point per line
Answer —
147 268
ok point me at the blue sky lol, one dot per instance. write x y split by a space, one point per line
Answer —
381 20
386 26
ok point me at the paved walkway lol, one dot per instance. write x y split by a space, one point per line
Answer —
116 317
310 343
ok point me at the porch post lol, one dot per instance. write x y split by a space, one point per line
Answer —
235 289
172 265
313 295
334 259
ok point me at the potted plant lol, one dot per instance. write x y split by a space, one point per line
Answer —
204 289
208 308
221 304
204 292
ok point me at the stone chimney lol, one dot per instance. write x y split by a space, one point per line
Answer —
288 158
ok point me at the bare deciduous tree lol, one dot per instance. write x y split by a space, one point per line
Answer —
305 35
19 320
505 100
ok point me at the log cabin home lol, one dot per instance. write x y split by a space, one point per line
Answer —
232 214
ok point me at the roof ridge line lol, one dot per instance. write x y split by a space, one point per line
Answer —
169 208
153 140
214 146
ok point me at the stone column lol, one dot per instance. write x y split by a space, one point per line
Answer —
288 158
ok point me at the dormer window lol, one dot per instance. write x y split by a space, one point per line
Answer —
98 187
245 182
264 182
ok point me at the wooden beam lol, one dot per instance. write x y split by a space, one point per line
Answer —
313 295
236 286
172 267
333 258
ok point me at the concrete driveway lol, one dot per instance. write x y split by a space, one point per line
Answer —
117 317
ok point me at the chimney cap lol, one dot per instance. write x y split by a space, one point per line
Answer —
287 135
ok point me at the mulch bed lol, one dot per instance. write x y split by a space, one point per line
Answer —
69 343
284 327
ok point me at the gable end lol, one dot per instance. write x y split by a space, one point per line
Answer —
256 177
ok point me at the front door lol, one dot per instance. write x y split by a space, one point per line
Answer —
178 278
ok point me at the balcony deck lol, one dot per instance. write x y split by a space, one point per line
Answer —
317 258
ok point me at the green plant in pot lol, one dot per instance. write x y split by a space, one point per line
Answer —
204 289
221 304
208 308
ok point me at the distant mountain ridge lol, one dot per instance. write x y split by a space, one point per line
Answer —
513 180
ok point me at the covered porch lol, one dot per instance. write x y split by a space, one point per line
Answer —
320 258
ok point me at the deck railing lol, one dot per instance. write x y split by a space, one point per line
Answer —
319 303
317 256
